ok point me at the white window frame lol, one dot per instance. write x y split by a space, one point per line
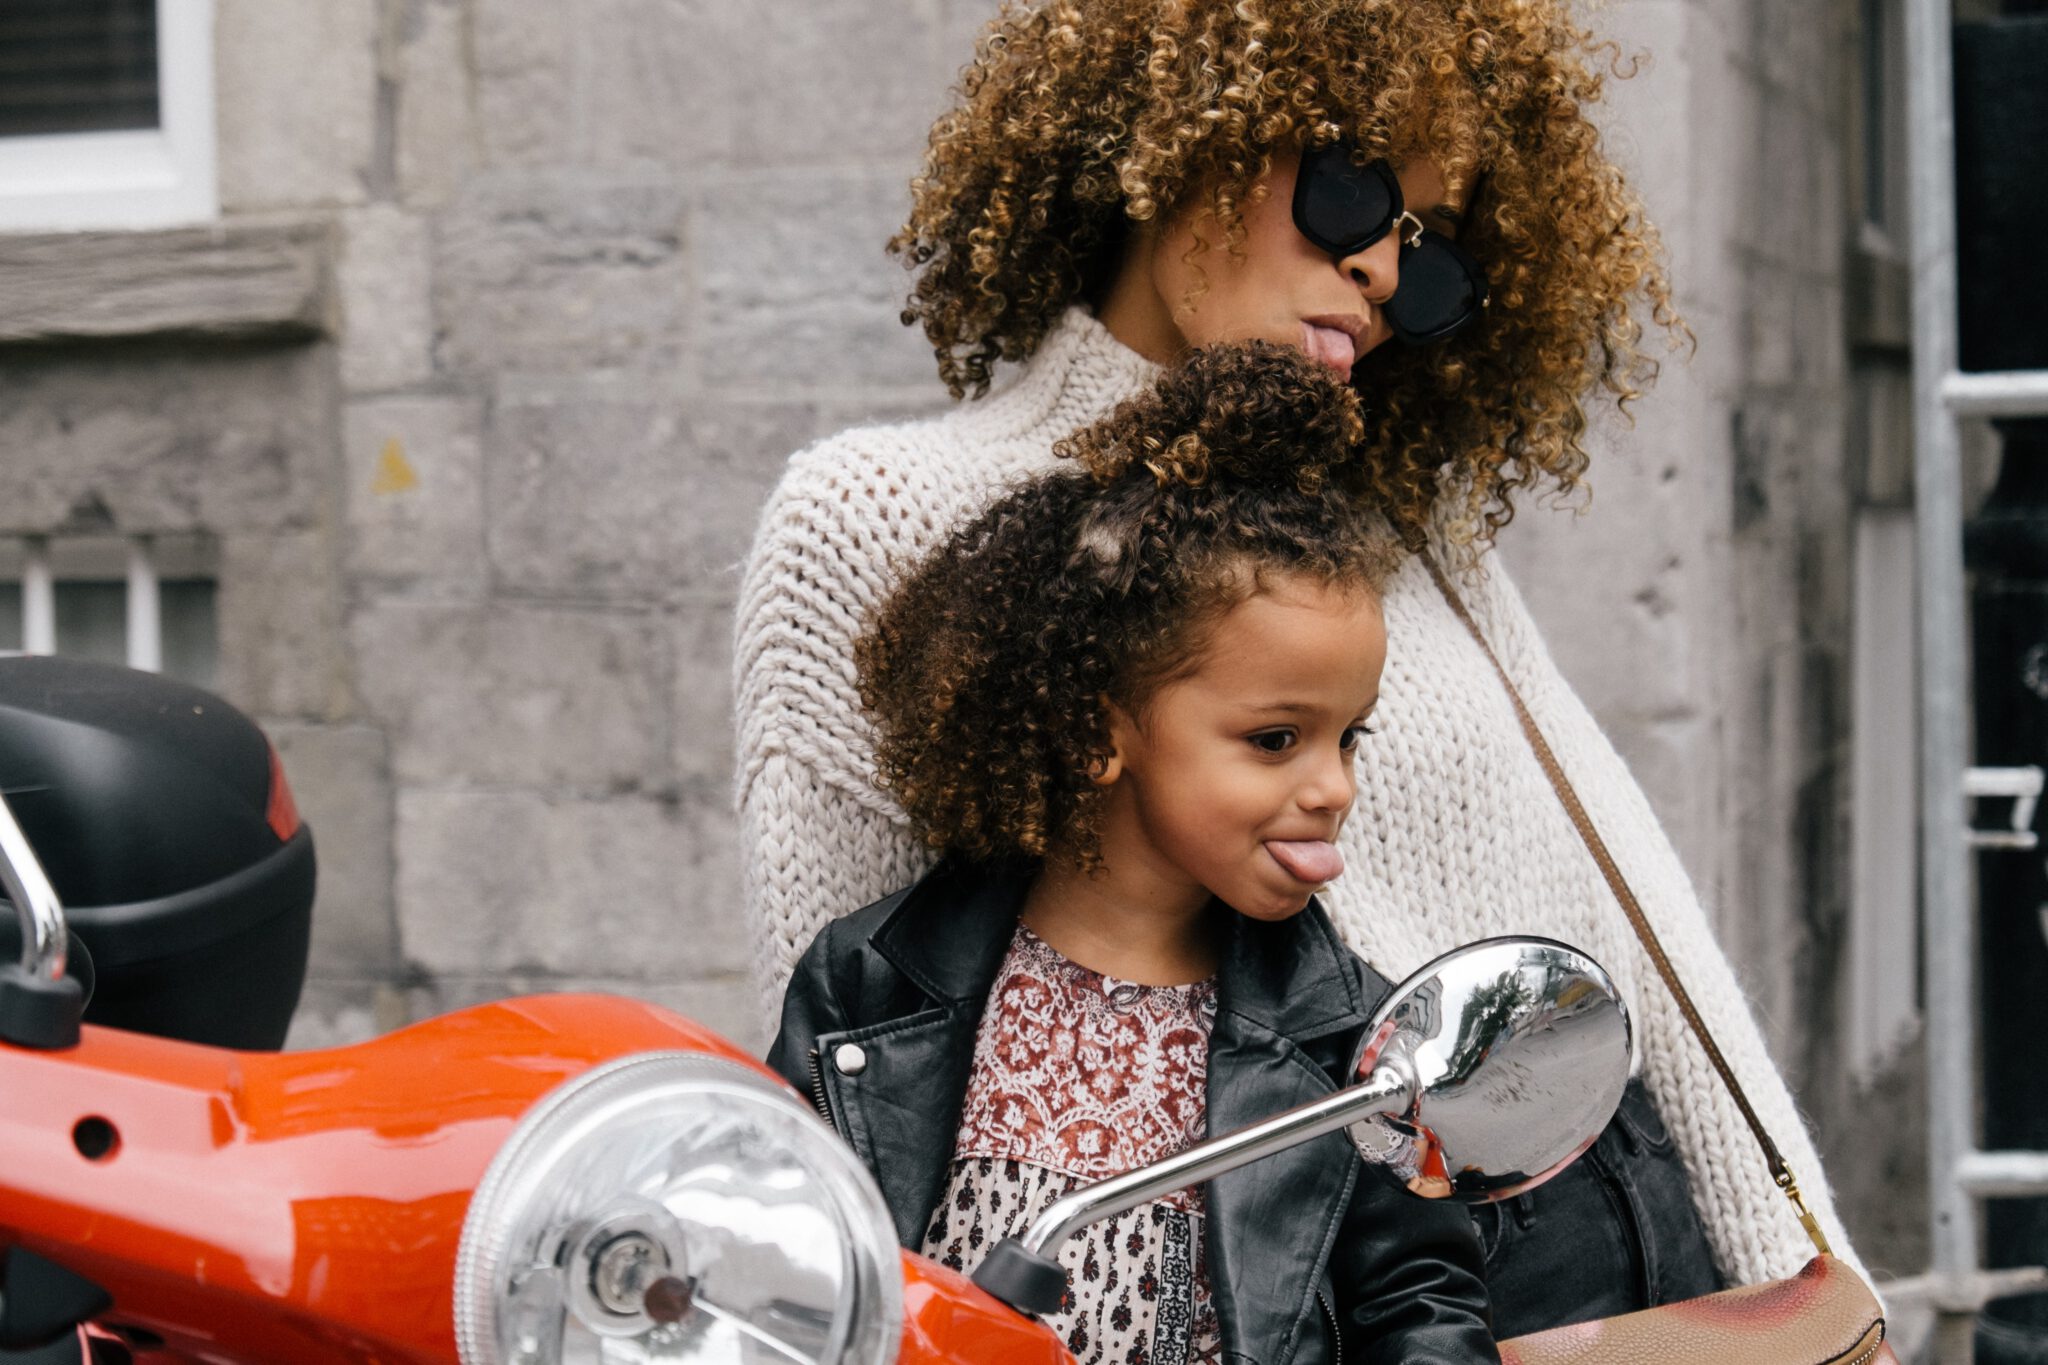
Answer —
141 178
37 566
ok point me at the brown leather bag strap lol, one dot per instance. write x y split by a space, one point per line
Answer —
1552 769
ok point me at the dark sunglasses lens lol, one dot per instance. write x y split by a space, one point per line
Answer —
1440 291
1341 206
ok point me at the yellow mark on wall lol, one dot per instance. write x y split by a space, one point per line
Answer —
395 473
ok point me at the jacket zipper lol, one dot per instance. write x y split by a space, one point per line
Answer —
1337 1332
823 1105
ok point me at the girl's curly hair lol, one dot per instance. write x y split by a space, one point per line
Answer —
989 671
1078 117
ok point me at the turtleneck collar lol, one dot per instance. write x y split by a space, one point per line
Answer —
1077 374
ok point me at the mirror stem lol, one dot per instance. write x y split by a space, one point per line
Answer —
43 940
1026 1275
40 1006
1382 1092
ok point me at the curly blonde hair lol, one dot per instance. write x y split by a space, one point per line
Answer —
1078 117
990 670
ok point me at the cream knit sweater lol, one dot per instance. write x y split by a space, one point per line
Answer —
1456 834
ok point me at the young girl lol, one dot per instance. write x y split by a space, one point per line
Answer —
1124 703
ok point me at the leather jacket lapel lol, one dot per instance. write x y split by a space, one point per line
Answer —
1271 1225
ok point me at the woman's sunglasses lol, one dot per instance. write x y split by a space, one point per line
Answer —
1344 207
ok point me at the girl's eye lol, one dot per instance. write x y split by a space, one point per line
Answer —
1355 735
1273 741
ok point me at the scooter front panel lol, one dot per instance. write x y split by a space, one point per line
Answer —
300 1207
947 1320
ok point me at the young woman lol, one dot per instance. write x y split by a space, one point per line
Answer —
1124 179
1124 705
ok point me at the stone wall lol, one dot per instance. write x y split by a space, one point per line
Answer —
517 306
1713 640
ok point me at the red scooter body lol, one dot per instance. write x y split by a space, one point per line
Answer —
240 1205
307 1207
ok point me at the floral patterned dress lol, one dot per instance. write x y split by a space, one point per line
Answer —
1077 1077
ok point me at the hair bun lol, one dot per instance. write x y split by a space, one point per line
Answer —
1247 413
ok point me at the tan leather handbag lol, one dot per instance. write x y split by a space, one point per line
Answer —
1824 1315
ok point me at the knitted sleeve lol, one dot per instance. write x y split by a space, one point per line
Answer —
1754 1230
817 839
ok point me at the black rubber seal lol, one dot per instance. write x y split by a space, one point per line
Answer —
1024 1280
38 1012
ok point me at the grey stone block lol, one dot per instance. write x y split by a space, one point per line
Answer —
1659 589
591 489
630 85
561 275
342 784
438 138
553 697
161 439
383 282
415 493
610 487
660 85
872 79
545 886
527 74
296 87
795 296
703 700
240 280
279 606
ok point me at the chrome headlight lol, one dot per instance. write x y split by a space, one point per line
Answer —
673 1206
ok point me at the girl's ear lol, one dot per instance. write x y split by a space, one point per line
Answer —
1109 766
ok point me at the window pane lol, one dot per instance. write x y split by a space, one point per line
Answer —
77 66
92 623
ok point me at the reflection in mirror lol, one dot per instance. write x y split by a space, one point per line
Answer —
1514 1053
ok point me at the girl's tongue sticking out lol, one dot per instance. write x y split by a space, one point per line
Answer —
1312 861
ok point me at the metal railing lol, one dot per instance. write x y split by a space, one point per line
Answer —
1959 1174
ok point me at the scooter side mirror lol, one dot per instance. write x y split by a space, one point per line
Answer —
1481 1075
1513 1054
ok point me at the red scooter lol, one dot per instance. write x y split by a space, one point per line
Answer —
567 1178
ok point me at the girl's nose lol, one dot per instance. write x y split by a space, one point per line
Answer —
1377 269
1330 785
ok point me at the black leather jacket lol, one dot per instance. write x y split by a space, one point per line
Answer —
1313 1257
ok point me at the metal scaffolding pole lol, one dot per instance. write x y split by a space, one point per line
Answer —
1958 1174
1945 900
